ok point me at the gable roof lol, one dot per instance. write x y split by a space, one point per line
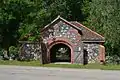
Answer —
57 20
88 34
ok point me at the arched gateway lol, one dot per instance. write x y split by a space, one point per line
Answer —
64 41
72 42
60 52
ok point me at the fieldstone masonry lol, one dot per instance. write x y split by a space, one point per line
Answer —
30 51
79 39
93 52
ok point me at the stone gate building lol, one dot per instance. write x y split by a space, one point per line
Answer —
70 41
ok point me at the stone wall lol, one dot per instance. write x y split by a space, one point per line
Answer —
31 51
62 31
93 52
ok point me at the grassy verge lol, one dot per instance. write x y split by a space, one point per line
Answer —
37 63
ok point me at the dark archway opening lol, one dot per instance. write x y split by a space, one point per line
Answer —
60 53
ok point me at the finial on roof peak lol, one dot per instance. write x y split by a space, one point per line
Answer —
58 16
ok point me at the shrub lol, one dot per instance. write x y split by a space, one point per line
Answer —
13 51
1 51
113 59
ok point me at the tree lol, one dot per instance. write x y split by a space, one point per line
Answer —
46 11
14 15
23 19
104 16
69 9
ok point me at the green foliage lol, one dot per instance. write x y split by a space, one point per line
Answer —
1 51
69 9
104 17
19 18
12 13
113 59
13 50
23 19
33 38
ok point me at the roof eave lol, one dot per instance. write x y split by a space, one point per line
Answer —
94 41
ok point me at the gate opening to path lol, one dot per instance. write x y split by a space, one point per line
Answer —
60 53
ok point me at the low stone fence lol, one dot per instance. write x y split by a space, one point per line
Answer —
30 50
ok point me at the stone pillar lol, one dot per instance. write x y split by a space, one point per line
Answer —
101 54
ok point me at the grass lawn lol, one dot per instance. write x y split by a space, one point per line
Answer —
37 63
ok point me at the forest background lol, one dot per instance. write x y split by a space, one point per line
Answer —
23 19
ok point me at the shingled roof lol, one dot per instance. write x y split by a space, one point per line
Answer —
88 34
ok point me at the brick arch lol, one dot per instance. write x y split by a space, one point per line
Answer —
61 42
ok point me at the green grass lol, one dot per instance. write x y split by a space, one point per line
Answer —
77 66
20 63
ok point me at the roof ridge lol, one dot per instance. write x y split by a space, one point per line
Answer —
59 17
